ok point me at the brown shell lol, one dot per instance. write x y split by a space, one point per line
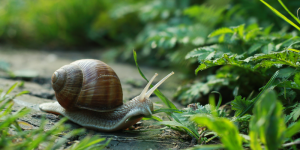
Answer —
88 84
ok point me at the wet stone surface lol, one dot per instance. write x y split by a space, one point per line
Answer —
143 135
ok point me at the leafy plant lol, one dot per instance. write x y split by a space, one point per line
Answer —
267 123
180 117
267 126
224 128
14 137
241 54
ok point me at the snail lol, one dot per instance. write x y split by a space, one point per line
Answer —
89 93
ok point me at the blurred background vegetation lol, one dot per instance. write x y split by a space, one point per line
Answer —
239 49
162 32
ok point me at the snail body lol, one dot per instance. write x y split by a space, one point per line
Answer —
89 93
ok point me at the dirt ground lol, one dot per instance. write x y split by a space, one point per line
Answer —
37 67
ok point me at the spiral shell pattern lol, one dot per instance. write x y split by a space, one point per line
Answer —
87 84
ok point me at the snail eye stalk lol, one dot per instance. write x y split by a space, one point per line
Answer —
157 85
142 95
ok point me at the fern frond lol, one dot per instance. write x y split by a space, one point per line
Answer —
288 84
224 60
297 78
254 48
259 62
202 53
239 104
296 112
289 58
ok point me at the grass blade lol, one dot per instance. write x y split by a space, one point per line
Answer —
157 92
289 11
258 96
220 99
226 130
295 50
177 124
11 88
152 117
281 15
167 110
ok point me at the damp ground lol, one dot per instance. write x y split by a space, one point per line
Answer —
35 68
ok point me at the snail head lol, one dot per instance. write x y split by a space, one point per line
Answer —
144 96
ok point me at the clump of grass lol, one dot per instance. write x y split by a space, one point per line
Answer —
12 136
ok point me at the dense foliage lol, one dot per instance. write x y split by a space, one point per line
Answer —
69 23
244 53
260 68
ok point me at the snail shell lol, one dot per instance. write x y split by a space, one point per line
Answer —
87 84
89 93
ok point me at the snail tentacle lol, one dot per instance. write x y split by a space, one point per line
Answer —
142 95
148 94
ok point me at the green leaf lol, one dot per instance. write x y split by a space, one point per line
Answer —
266 87
254 138
285 73
220 31
240 30
11 88
202 53
267 122
254 48
206 147
63 140
284 58
268 29
48 138
90 142
212 104
152 117
177 124
167 110
295 50
226 130
252 34
239 104
19 94
224 60
296 112
268 48
292 130
221 38
220 99
297 78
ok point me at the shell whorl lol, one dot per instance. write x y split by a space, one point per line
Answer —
87 84
58 80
